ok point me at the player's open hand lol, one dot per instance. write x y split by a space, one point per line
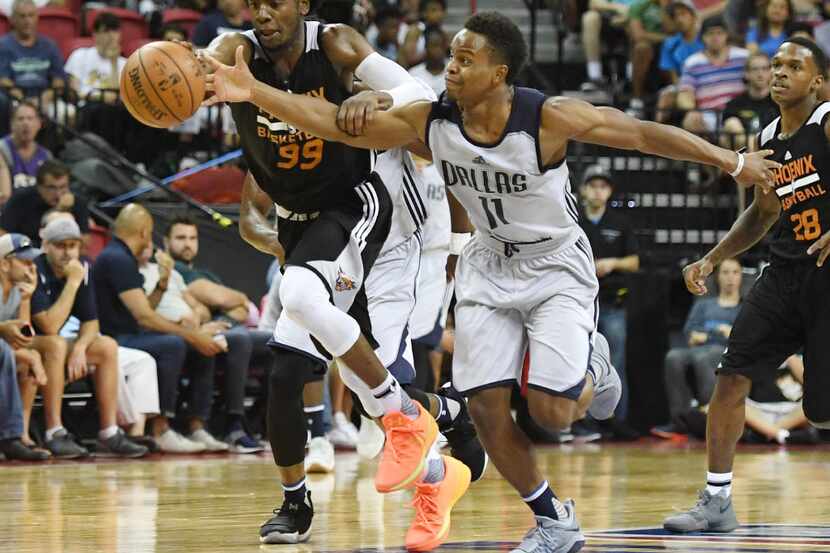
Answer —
758 170
229 84
357 112
822 247
695 276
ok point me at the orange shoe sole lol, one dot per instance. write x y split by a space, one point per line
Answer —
430 437
458 476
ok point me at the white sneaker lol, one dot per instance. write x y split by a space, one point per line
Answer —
320 456
203 437
346 426
173 442
339 438
370 439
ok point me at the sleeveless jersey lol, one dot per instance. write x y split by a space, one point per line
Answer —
516 203
299 171
800 185
406 187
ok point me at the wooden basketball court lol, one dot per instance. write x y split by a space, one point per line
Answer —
216 504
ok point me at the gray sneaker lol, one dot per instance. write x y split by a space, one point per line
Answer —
119 445
607 385
553 536
711 513
63 446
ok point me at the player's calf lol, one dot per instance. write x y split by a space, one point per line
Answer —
551 412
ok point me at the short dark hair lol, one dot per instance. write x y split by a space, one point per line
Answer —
800 27
422 5
504 37
387 12
181 219
175 27
52 167
106 21
18 105
819 57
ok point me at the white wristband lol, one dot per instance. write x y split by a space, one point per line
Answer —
458 240
740 166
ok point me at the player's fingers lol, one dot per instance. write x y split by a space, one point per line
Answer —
207 102
212 62
351 120
362 119
240 56
819 244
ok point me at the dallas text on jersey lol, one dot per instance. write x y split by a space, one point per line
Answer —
483 180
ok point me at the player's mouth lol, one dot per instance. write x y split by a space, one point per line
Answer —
778 87
268 34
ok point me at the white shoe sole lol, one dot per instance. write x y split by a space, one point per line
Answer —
286 538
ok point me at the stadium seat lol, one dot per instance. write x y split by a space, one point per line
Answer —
74 43
99 237
133 45
186 19
4 24
59 24
133 25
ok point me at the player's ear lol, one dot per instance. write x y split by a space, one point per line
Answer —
501 73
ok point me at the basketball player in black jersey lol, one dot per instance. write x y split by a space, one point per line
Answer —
333 217
786 309
487 54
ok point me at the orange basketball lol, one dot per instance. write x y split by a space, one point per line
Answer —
162 84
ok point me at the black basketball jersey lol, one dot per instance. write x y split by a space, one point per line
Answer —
299 171
800 185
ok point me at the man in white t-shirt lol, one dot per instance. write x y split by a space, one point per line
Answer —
94 72
431 71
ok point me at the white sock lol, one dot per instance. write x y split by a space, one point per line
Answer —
717 482
781 436
50 433
594 70
434 469
636 103
394 399
107 433
453 407
364 393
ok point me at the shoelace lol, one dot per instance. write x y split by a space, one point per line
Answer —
425 505
398 436
703 499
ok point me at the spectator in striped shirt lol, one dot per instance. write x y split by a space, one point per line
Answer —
710 78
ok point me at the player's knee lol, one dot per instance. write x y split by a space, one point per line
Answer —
552 413
289 375
301 292
731 389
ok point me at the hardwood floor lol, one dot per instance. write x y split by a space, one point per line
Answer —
216 504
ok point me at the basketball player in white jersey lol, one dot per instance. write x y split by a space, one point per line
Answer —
526 280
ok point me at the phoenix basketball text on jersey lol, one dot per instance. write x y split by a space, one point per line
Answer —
279 132
805 159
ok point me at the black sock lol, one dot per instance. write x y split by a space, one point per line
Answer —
296 492
314 415
543 502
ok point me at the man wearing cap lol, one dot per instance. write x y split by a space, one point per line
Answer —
64 289
710 78
676 50
16 346
615 253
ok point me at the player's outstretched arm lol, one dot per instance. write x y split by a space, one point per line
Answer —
581 121
389 129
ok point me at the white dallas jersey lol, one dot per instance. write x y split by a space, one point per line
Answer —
516 203
406 188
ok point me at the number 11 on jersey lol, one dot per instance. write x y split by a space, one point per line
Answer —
496 215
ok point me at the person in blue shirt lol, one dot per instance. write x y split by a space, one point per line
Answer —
675 50
773 27
228 16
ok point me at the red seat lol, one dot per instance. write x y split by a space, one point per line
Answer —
4 24
73 44
130 47
186 19
133 25
99 237
59 24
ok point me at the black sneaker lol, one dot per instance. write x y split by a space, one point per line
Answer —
16 450
462 436
290 524
119 445
63 446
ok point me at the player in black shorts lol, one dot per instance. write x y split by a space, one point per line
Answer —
786 310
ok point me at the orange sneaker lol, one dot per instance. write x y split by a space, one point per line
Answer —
433 504
407 444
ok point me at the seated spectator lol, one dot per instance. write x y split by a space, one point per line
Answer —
18 281
413 46
228 16
64 290
21 154
676 50
31 66
745 115
26 207
603 18
385 40
431 71
707 330
6 5
94 72
172 31
126 315
647 27
11 409
5 183
169 296
710 79
772 29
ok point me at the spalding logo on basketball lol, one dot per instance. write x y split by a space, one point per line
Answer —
162 84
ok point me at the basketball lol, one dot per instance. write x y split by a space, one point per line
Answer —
162 84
